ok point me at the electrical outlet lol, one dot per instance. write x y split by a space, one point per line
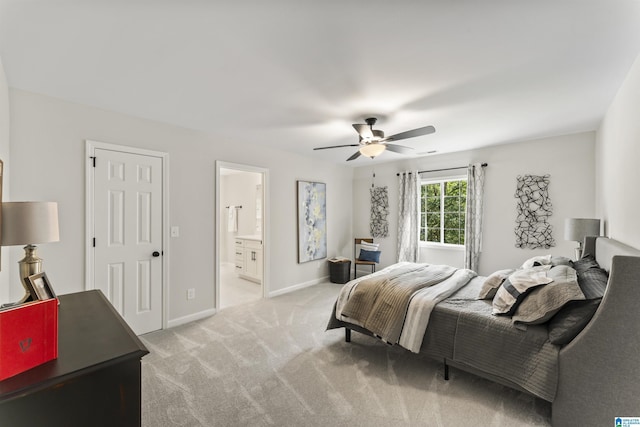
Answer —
191 293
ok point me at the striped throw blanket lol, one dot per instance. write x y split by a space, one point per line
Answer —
381 302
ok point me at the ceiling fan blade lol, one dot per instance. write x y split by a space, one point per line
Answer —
411 133
363 130
399 148
337 146
354 156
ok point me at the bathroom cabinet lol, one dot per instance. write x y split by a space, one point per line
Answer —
248 257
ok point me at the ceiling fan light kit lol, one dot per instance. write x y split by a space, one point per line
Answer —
372 142
372 150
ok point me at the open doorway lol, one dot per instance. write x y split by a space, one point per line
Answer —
240 234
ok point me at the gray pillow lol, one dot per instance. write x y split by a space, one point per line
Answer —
492 283
572 318
593 282
543 302
585 263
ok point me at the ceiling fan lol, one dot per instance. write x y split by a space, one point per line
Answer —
372 142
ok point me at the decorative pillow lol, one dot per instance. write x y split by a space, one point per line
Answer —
543 302
573 317
585 263
369 246
571 320
493 282
366 255
515 288
593 282
537 260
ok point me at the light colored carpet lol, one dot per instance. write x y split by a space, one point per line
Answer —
271 363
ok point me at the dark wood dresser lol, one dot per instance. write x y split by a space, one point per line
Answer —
95 381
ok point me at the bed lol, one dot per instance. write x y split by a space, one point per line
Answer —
590 378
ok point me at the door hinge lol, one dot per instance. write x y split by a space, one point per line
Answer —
94 242
93 158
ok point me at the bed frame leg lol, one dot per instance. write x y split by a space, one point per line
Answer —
446 370
347 335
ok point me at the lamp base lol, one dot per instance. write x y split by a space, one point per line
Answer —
578 252
28 266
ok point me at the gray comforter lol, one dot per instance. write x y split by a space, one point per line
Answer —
462 329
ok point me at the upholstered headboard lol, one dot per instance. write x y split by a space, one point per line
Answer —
604 249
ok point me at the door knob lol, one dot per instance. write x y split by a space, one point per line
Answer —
156 254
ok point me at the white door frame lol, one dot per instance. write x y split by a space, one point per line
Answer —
266 232
90 147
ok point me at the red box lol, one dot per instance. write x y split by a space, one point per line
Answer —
28 336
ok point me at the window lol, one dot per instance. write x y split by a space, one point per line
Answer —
443 206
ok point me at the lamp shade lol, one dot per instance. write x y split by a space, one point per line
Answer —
576 229
372 150
28 223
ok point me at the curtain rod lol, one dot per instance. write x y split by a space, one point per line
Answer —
237 207
447 169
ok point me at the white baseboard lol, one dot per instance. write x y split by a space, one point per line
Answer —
191 317
298 286
210 312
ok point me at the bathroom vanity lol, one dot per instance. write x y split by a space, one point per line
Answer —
248 257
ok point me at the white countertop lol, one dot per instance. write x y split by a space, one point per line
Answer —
250 237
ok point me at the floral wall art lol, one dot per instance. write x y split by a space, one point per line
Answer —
312 221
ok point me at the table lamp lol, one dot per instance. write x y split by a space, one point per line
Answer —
29 223
576 229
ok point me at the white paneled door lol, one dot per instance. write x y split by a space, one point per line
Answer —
127 210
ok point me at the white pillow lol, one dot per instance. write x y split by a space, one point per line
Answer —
542 260
493 282
369 246
515 288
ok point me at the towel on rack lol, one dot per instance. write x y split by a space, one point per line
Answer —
232 219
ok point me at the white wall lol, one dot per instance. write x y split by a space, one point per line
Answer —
618 163
49 164
569 160
5 277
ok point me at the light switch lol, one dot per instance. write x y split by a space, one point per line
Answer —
175 231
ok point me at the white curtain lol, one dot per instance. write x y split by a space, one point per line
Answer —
473 227
408 217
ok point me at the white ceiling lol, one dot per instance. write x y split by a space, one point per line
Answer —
295 74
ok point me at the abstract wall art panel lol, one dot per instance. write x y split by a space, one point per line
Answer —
312 221
378 224
534 208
